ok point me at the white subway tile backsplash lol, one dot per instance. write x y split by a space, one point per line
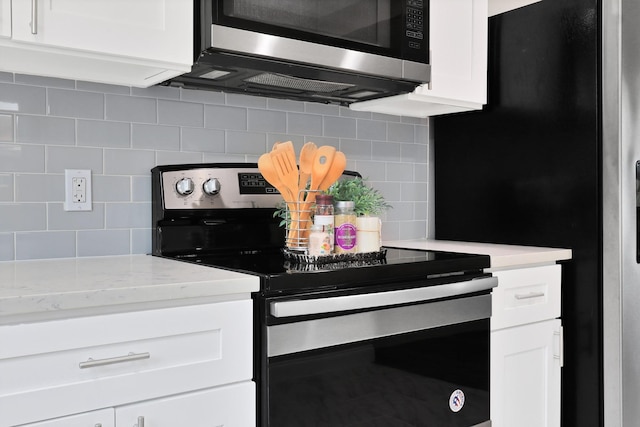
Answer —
61 158
339 127
155 137
107 188
402 172
99 133
356 149
372 129
23 217
120 133
160 92
39 187
304 124
7 247
203 140
6 128
131 109
59 219
128 162
141 241
225 117
15 98
322 109
104 242
266 121
246 142
180 113
246 100
401 132
22 158
45 244
140 188
284 105
6 77
6 187
203 96
176 158
386 151
128 215
45 130
416 153
75 103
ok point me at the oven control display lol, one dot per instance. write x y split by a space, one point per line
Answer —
254 183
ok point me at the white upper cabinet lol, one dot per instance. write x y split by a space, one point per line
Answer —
501 6
458 36
5 18
137 43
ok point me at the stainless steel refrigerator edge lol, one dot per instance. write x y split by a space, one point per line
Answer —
621 150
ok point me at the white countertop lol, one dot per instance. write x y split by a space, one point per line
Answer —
502 256
32 288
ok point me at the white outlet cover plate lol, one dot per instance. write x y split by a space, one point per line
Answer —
70 203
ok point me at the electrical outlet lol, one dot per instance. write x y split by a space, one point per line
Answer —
77 190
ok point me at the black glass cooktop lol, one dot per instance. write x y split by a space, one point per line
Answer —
280 275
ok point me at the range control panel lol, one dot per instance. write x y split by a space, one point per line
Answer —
217 188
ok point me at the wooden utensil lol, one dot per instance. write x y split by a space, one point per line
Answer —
335 171
307 154
283 159
321 165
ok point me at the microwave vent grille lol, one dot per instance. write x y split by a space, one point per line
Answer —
290 82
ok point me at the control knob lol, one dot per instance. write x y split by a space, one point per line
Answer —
211 186
185 186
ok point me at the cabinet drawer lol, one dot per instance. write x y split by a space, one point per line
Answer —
76 365
101 418
526 295
229 406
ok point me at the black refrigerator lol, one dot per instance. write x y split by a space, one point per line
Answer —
527 170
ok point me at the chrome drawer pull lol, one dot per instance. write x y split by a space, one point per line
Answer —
140 422
90 363
529 295
34 17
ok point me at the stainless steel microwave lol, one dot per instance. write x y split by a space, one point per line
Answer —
333 51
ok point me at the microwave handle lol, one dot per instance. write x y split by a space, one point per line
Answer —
302 307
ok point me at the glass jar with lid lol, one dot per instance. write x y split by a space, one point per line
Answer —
345 227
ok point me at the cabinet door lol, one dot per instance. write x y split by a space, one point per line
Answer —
525 375
149 29
229 406
5 18
458 37
102 418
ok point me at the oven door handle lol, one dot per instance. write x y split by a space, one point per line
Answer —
302 307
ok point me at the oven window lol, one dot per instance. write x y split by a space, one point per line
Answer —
438 377
360 21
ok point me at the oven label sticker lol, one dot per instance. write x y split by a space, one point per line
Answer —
456 400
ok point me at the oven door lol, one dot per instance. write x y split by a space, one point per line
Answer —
409 363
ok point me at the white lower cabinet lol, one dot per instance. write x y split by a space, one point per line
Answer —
224 406
101 418
525 375
171 365
526 348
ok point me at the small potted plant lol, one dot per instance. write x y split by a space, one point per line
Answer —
369 205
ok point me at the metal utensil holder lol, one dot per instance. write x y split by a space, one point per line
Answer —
298 223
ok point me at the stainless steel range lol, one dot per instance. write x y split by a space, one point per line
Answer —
396 339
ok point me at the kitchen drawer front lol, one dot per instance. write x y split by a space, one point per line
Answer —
101 418
526 295
229 406
77 365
